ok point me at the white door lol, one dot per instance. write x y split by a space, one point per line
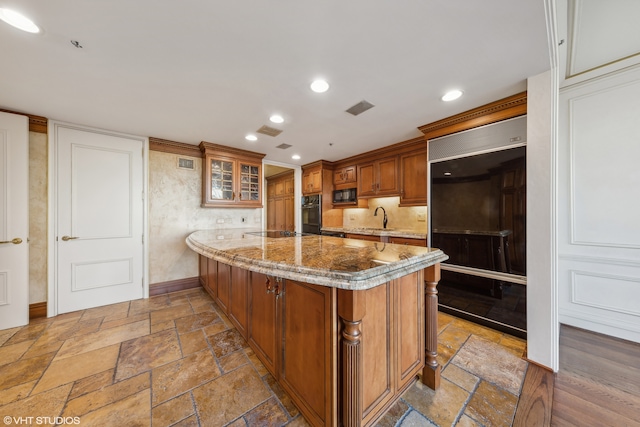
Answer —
14 220
99 217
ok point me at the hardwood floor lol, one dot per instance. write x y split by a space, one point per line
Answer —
599 381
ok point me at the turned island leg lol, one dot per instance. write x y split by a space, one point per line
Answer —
351 309
431 371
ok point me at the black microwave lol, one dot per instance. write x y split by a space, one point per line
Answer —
347 195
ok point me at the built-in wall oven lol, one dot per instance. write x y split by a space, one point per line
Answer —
311 214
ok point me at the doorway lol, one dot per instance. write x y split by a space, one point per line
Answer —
282 199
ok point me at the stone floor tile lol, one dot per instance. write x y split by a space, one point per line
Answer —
460 377
193 342
267 414
240 422
163 326
132 411
12 352
394 414
17 392
465 421
106 324
170 313
154 303
450 341
215 328
73 368
478 330
518 346
183 375
415 419
299 422
106 310
23 371
105 396
44 348
229 396
172 411
262 370
196 321
442 406
506 370
147 352
47 404
61 331
232 361
227 342
92 383
492 406
101 339
284 398
27 333
191 421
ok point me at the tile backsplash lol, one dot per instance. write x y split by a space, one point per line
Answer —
407 218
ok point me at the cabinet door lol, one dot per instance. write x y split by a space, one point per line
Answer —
280 214
220 174
262 331
288 186
307 183
316 180
212 280
249 177
271 214
224 280
363 237
409 323
306 371
413 177
289 213
387 184
203 272
366 180
407 241
238 309
279 191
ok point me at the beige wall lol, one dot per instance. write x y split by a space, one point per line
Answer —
175 212
37 217
405 218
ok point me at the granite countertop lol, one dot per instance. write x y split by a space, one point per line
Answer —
500 233
321 260
370 231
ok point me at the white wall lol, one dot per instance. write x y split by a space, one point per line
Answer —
542 323
599 204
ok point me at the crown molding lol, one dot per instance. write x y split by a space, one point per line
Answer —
503 109
36 123
173 147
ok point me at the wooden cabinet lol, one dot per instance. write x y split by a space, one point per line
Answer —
344 177
363 237
312 181
408 241
223 286
263 333
238 304
413 178
378 178
280 202
231 177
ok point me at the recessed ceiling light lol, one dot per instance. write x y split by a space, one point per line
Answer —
18 20
251 137
451 95
319 86
295 157
276 118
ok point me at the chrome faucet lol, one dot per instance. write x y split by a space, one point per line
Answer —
384 219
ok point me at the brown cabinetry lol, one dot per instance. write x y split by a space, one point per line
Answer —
263 333
413 178
344 177
312 180
408 241
378 178
280 206
363 237
231 177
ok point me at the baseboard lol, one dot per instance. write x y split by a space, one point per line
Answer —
38 309
173 286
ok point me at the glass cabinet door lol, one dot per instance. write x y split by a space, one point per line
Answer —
249 182
222 180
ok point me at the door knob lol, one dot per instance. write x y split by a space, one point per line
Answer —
15 241
67 238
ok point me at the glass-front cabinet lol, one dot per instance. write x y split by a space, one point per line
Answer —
231 177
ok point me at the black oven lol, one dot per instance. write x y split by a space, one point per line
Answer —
311 214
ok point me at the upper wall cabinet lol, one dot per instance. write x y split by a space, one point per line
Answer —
378 178
344 177
231 177
413 178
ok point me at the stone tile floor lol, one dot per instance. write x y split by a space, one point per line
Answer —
176 360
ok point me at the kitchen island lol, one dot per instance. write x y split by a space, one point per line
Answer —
345 326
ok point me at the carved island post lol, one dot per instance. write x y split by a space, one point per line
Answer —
431 371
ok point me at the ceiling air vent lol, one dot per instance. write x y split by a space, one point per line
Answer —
266 130
360 107
283 146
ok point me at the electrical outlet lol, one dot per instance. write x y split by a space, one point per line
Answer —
243 219
422 217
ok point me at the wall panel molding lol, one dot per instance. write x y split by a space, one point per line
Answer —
611 292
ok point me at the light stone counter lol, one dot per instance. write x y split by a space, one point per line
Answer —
322 260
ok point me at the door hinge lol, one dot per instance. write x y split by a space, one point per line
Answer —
143 239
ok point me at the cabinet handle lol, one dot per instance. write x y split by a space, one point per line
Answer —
240 195
233 195
269 287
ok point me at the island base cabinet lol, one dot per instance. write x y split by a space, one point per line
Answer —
344 357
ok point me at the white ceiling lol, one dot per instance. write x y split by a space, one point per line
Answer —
215 71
